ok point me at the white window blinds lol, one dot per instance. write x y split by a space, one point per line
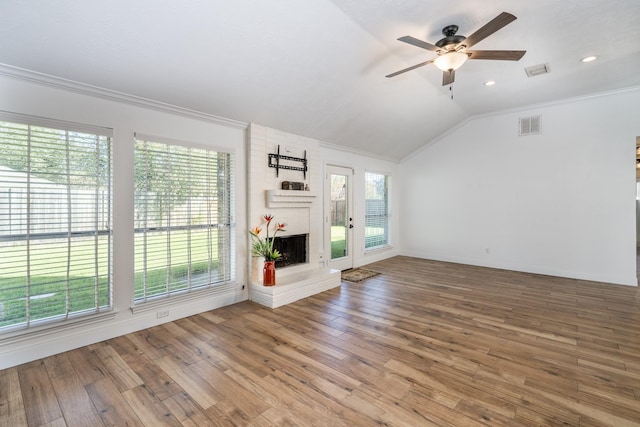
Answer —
55 221
183 218
376 210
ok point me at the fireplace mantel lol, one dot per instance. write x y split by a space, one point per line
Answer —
289 198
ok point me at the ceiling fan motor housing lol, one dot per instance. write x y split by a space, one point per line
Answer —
451 40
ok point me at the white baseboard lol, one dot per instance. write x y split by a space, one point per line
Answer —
535 269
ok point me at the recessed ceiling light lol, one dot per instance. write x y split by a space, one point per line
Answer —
588 58
489 83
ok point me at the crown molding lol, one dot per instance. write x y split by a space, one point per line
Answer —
516 110
555 102
332 146
111 95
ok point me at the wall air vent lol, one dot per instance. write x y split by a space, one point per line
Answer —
529 125
536 70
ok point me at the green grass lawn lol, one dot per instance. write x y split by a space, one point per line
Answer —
339 241
374 236
50 290
158 255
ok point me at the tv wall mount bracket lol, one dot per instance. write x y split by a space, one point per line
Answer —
275 158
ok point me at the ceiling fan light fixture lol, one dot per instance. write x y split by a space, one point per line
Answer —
450 60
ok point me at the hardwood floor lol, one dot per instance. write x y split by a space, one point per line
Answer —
424 343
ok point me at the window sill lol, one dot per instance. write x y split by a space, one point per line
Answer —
185 297
378 249
23 334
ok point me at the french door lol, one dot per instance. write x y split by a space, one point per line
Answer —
339 217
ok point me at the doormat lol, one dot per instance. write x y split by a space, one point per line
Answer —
356 275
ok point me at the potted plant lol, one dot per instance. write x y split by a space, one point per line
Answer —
263 247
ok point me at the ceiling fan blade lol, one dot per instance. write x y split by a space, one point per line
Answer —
489 28
410 68
448 77
503 55
419 43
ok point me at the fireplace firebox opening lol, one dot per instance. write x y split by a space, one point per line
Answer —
292 248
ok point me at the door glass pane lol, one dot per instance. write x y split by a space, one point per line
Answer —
339 216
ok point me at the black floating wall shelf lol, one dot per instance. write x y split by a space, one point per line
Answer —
274 162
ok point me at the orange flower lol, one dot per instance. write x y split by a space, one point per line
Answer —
264 246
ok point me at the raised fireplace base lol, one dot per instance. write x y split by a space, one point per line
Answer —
293 287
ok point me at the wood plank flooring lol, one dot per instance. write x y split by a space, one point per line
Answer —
424 343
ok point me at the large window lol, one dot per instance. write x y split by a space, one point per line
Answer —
55 221
376 210
183 218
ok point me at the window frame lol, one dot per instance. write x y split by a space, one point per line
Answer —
153 301
41 131
387 214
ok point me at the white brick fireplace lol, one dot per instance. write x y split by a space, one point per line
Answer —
301 210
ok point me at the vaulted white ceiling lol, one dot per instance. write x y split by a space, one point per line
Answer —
317 67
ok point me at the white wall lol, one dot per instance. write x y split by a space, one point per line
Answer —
22 96
334 156
558 203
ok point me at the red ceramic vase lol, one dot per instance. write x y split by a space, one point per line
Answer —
269 273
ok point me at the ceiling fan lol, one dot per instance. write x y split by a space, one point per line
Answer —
452 50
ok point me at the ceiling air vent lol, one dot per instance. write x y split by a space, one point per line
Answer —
529 125
536 70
